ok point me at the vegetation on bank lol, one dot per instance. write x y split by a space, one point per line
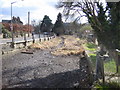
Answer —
109 69
106 26
91 47
109 64
71 46
6 33
107 85
46 44
63 45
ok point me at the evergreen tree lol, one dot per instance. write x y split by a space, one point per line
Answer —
58 26
46 24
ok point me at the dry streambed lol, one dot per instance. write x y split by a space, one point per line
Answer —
46 64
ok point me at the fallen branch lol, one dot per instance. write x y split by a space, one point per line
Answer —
27 52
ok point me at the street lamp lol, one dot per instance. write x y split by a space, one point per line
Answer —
12 25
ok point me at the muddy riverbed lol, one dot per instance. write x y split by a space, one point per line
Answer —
42 70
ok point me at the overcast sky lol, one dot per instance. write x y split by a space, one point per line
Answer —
37 8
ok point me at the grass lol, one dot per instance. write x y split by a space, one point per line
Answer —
91 46
110 66
93 60
107 85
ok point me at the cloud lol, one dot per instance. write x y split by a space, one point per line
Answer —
37 8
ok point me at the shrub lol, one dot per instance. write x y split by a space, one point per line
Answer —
6 33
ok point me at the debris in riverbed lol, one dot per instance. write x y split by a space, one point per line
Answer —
27 51
72 46
63 45
46 44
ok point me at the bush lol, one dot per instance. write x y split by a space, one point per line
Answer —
21 33
6 33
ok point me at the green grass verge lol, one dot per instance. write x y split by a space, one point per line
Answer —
107 86
110 66
90 46
93 60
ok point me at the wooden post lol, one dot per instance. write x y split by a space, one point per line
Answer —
25 39
100 67
33 37
118 64
118 61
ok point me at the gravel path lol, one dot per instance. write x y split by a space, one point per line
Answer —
42 70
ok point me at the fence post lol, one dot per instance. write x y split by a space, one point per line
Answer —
44 38
39 37
118 60
47 37
33 37
100 67
25 43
